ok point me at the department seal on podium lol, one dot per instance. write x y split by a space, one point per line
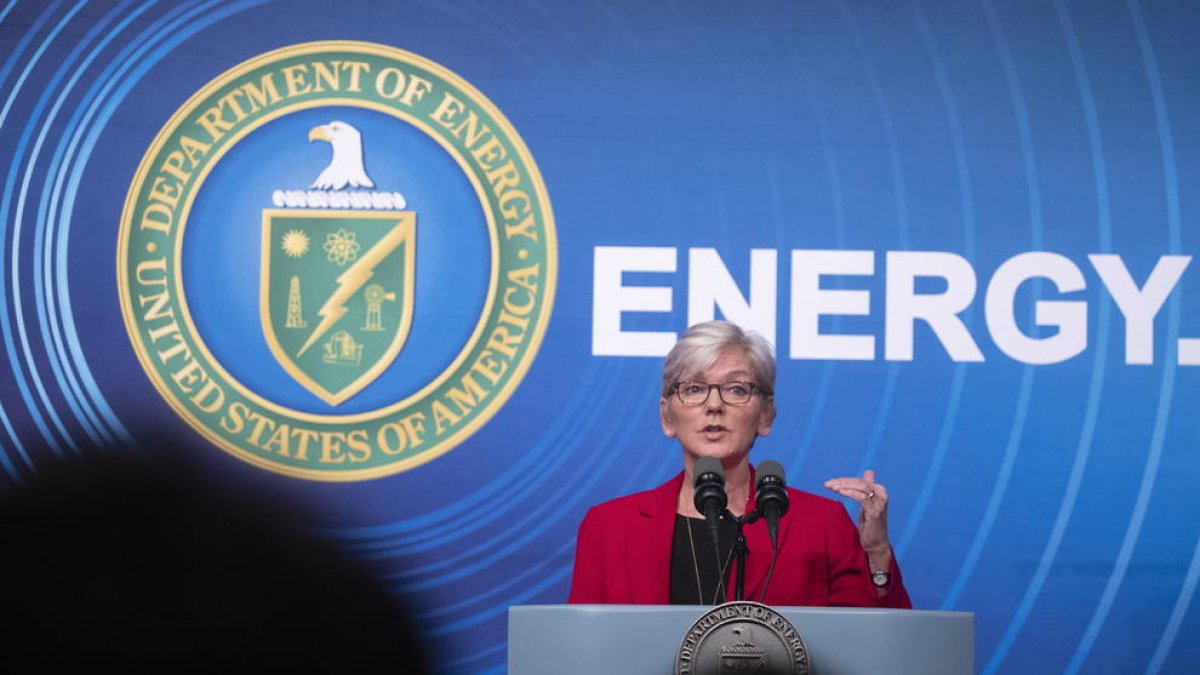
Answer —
337 260
742 637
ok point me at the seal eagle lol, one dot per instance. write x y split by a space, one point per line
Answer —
346 166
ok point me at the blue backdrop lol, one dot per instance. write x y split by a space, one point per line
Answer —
710 159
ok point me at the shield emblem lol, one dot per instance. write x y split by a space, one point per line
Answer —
336 294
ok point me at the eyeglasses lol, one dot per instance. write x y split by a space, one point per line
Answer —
732 393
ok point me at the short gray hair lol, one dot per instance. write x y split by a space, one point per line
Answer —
702 344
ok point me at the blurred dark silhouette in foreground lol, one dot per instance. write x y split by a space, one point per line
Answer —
131 562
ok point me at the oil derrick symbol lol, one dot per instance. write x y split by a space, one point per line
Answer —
375 296
295 318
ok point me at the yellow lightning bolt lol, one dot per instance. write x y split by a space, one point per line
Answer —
353 279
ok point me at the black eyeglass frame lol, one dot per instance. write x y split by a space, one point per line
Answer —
676 389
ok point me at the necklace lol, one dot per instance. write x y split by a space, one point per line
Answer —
695 563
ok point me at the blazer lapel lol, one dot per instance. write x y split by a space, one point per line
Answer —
650 541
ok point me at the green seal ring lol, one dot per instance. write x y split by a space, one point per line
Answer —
491 363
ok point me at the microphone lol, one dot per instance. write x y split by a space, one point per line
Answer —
771 498
710 498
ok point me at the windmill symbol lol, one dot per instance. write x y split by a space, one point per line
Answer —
375 296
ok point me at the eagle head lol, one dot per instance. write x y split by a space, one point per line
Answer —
346 168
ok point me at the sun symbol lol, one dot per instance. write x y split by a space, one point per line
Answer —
341 246
295 243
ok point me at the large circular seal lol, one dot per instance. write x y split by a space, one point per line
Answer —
739 637
337 260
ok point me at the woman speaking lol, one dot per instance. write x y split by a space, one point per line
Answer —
655 547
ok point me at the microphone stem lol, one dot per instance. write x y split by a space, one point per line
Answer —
741 551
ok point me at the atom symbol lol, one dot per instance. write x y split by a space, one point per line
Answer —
341 246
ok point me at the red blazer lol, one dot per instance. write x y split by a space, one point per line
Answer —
623 554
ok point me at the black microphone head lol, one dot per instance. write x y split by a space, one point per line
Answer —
710 498
709 465
771 469
771 489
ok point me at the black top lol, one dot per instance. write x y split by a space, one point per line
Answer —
684 565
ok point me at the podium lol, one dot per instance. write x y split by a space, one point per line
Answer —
644 640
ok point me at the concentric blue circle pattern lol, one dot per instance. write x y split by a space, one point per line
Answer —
990 205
